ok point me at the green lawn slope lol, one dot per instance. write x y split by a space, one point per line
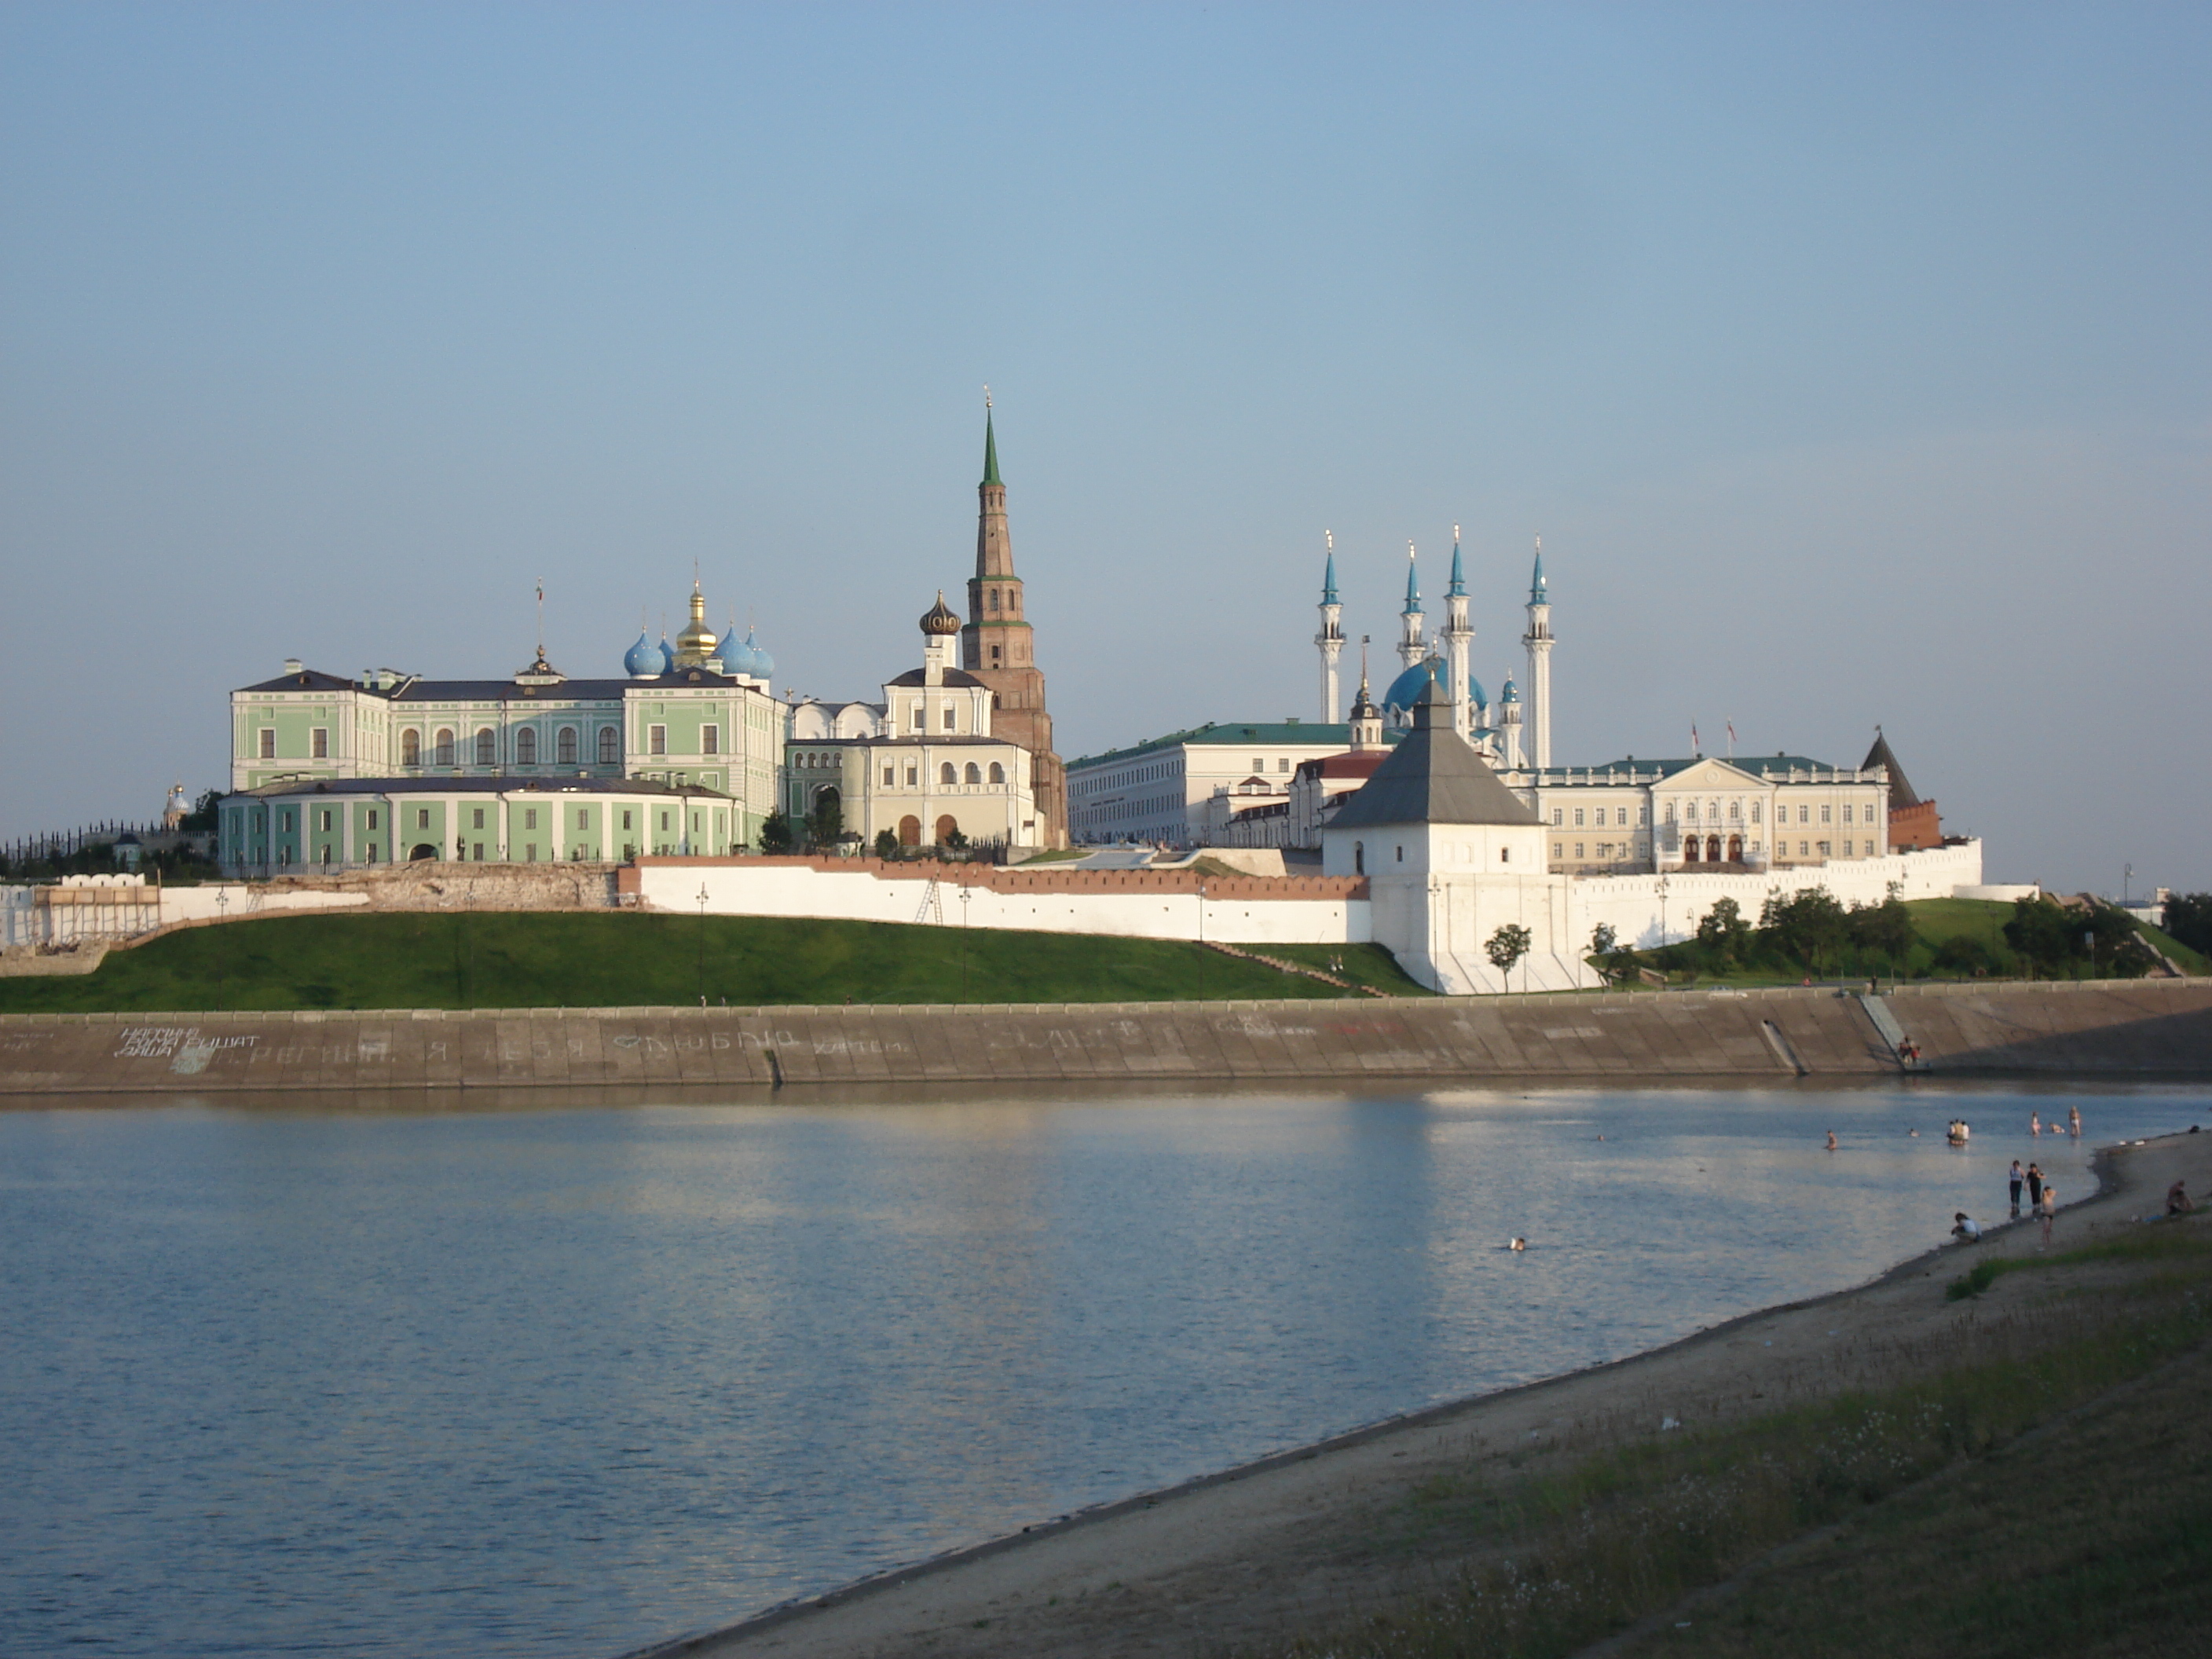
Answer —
526 960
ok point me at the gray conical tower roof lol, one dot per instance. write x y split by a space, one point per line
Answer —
1900 792
1433 776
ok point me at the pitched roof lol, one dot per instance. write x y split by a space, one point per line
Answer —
1900 792
1433 776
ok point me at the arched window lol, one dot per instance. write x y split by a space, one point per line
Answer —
1690 812
525 746
445 751
487 747
1735 812
564 745
994 598
947 827
609 746
975 773
909 832
998 773
1690 849
410 747
944 773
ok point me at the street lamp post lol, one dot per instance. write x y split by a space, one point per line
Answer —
703 945
222 950
965 894
1661 890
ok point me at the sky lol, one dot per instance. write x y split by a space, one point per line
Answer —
1853 363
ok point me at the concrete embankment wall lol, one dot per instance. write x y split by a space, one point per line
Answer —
2112 1029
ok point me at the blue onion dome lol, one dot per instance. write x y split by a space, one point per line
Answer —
753 651
1508 694
667 656
643 660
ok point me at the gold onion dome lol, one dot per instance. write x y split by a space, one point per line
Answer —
698 640
939 618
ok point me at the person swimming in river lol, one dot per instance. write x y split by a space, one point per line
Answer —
1516 1242
2074 1121
1831 1140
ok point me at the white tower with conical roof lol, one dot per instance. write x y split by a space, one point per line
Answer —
1508 728
1330 639
1459 646
1538 640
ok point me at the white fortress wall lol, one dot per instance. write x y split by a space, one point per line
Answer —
1634 906
748 888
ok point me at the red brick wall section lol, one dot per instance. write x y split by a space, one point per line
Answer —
1049 879
1915 826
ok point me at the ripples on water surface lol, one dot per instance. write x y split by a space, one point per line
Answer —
566 1381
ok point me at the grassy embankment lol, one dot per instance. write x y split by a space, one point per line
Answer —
2029 1501
1935 923
531 960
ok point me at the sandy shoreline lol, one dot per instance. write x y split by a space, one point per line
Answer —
1259 1551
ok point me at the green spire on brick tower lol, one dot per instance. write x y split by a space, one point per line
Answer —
990 447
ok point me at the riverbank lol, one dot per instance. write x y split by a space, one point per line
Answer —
2104 1029
1397 1519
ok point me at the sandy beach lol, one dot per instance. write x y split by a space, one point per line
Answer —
1265 1551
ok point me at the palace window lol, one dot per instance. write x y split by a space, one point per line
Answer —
1579 824
478 822
530 818
1505 855
1558 851
525 746
1578 849
564 746
974 775
609 746
422 818
656 740
891 775
323 820
1804 813
913 776
445 745
998 773
583 819
486 746
372 817
945 774
950 720
410 748
319 742
1825 810
1558 815
1826 849
1847 811
1601 818
710 739
265 743
1757 807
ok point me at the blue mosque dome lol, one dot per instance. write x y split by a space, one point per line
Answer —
1407 688
643 660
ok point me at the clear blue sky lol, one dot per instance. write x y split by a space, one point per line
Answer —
1851 361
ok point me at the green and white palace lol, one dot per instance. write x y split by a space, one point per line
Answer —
681 756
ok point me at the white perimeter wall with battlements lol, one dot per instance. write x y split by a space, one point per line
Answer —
748 889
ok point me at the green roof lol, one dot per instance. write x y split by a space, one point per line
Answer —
990 451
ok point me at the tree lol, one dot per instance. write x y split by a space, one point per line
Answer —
775 833
1724 932
1885 927
2043 934
1507 946
2189 919
955 840
203 815
825 825
887 843
1809 925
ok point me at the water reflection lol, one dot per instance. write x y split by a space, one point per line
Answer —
481 1374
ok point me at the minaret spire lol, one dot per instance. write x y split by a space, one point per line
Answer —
1459 647
1538 640
1411 650
1330 641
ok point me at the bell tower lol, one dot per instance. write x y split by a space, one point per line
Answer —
998 647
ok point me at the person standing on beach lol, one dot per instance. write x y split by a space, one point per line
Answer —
2048 1208
2074 1121
2034 1185
2017 1177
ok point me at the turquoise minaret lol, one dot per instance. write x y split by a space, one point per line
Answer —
1538 640
1459 646
1330 639
1411 650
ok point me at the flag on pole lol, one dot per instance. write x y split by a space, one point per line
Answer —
1695 748
1731 727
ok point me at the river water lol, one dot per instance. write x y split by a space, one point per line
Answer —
567 1379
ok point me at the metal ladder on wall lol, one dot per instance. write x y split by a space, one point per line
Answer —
932 905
